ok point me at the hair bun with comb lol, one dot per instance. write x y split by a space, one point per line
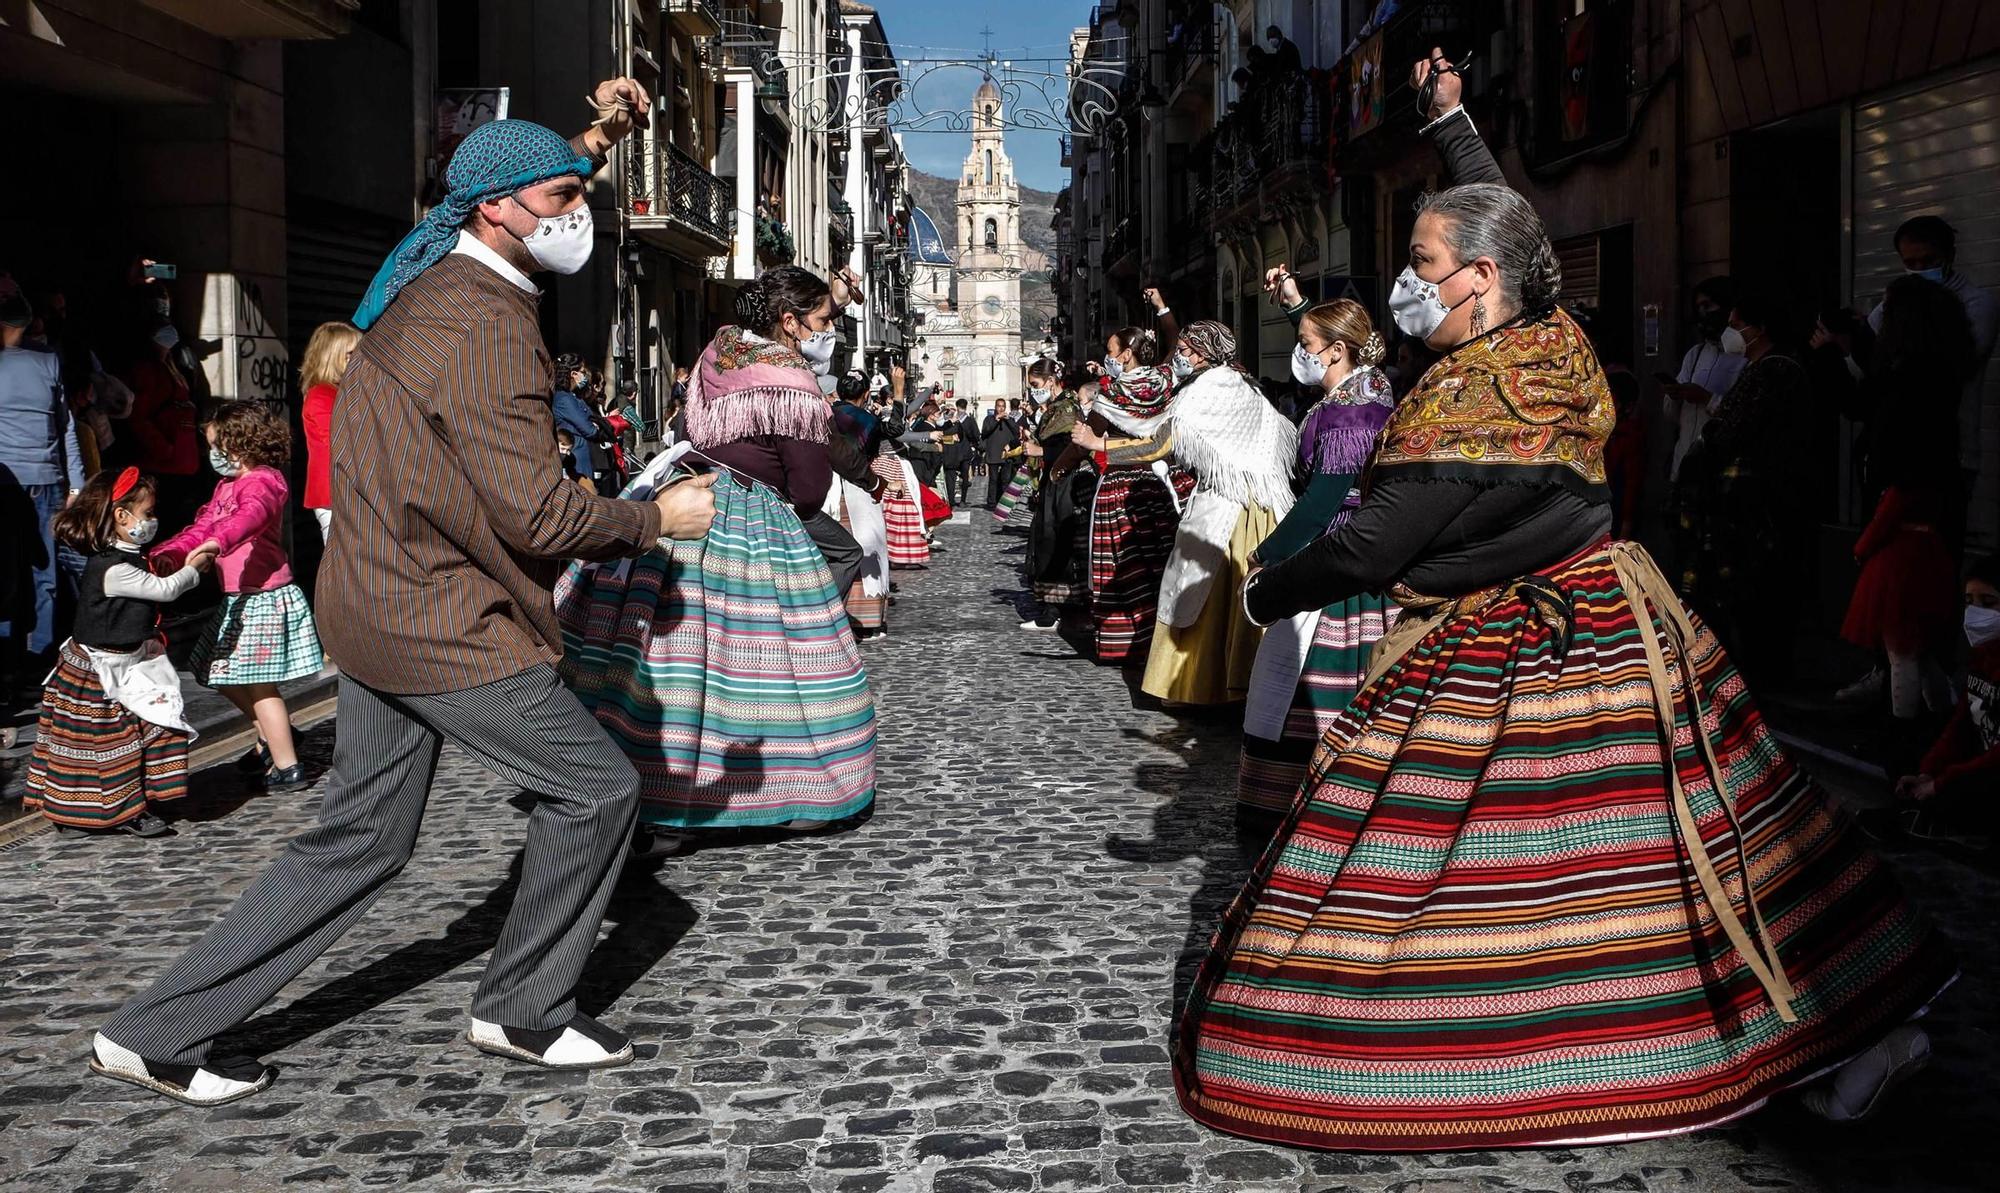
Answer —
1373 350
753 306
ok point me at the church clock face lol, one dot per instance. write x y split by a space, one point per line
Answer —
991 306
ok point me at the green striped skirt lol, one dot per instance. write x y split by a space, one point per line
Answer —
725 669
1270 771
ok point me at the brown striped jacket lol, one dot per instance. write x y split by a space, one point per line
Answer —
451 515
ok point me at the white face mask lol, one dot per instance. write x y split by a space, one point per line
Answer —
1113 369
561 243
221 463
1982 625
1414 303
1183 368
1307 367
143 531
818 348
1732 342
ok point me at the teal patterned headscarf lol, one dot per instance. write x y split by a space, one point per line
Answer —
497 159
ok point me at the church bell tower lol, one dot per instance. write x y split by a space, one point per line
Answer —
990 256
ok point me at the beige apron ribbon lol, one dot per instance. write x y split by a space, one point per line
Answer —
1644 586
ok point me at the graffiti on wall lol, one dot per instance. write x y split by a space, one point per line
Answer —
253 362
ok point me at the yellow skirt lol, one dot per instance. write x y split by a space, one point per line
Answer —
1209 662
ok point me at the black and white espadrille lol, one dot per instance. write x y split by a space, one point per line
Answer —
212 1083
582 1043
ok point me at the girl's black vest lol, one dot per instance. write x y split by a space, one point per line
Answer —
107 622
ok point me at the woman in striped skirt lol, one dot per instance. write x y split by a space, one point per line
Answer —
1309 666
1059 530
725 666
1551 880
1137 506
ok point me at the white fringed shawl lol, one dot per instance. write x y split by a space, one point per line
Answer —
1238 445
1243 453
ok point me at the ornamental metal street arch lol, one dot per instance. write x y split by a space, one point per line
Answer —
1036 94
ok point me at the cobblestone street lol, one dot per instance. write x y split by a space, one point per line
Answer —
971 991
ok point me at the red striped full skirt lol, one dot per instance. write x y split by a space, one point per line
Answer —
908 548
95 764
1483 924
1132 525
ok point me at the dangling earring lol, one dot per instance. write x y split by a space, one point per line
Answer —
1478 315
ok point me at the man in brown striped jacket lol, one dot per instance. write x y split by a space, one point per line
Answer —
452 519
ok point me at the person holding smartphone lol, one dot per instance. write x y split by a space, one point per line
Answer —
1706 372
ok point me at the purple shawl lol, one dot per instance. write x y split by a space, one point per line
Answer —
1339 433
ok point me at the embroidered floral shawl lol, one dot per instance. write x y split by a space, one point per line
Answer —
1340 430
746 386
1136 403
1522 405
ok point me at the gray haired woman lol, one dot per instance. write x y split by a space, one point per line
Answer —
1550 880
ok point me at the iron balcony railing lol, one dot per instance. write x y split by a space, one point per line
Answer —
747 44
1281 126
696 18
680 191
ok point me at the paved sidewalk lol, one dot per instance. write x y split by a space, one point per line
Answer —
973 991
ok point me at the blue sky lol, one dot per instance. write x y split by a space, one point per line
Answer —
1022 31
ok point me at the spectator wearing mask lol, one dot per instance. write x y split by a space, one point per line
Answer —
165 426
923 443
1000 437
41 466
573 415
961 442
1706 372
1950 796
1736 497
327 354
1928 247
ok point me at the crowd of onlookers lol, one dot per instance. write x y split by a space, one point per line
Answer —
79 396
598 429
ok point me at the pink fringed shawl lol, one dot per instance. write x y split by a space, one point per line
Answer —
746 385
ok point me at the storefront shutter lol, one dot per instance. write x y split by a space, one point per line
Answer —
1934 149
332 254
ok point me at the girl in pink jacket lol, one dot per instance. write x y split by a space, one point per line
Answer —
263 635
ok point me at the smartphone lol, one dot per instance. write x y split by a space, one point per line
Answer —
163 273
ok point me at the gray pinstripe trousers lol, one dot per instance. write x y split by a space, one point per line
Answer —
529 730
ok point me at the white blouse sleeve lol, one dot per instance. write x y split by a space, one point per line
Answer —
136 583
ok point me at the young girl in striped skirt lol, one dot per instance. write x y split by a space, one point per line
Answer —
113 737
263 635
